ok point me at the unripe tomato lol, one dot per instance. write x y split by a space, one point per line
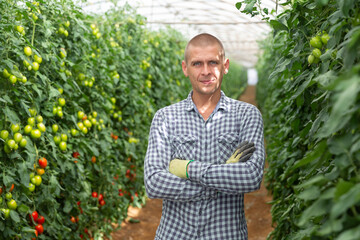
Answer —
316 42
17 137
39 228
67 24
19 29
35 133
55 110
57 139
113 100
36 180
39 119
66 33
38 59
62 146
64 137
11 143
60 113
43 162
13 79
84 130
27 51
31 187
74 132
6 73
80 125
40 171
15 128
23 142
12 204
27 129
23 79
87 123
55 128
32 112
4 134
62 102
62 53
80 114
6 212
41 127
316 52
325 38
31 121
8 195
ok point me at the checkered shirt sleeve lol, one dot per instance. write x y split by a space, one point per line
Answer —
208 205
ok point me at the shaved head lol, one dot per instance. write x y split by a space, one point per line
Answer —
204 40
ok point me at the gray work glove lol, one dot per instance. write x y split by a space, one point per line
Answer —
242 153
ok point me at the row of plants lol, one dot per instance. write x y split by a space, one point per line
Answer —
77 95
309 93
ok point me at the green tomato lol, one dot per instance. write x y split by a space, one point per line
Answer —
67 23
17 137
7 149
6 212
15 128
61 30
39 119
36 180
64 137
87 123
55 110
57 140
4 134
316 42
62 102
11 143
19 29
316 52
31 187
13 79
62 146
12 204
35 133
81 76
80 114
41 127
35 66
74 132
325 38
27 51
32 112
23 79
93 121
66 33
38 59
94 114
8 195
60 114
61 90
55 128
23 142
27 129
113 100
6 73
62 53
80 125
31 121
84 130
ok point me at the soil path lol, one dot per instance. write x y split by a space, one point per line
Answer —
257 209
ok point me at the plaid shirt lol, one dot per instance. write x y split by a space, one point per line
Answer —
210 204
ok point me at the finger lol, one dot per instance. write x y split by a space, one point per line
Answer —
245 146
251 148
245 157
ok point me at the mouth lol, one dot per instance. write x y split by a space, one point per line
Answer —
207 81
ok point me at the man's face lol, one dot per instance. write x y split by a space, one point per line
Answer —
205 68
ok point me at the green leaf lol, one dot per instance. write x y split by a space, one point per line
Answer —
311 155
23 208
318 208
351 234
13 117
14 216
278 26
310 193
346 201
342 187
238 5
346 6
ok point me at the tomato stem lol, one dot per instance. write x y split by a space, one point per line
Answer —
33 34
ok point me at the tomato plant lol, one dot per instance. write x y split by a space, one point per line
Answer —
309 94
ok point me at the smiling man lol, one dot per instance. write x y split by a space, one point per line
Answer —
204 153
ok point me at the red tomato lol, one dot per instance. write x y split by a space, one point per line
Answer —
43 162
40 220
102 202
39 228
101 197
35 215
94 194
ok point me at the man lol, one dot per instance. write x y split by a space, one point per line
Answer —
194 161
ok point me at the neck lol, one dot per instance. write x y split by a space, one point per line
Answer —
206 103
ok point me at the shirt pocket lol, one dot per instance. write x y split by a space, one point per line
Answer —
184 147
227 144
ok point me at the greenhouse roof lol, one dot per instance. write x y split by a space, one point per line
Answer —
239 32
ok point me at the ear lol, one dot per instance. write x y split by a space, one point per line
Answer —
226 66
184 68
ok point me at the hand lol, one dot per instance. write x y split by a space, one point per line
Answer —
179 167
242 153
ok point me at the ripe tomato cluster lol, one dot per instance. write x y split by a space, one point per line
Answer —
38 221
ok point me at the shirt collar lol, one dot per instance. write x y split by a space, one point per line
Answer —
223 103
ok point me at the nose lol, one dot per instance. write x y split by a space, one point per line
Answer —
205 70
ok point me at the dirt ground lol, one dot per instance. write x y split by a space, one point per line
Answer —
257 209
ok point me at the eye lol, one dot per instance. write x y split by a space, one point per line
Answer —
213 62
196 63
